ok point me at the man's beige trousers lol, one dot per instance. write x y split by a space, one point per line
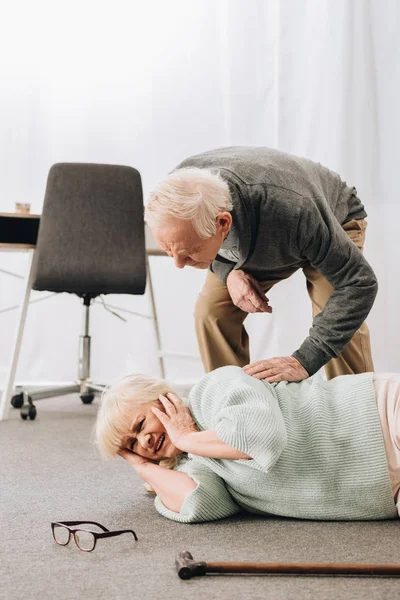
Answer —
223 339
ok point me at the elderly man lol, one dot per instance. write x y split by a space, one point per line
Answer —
253 216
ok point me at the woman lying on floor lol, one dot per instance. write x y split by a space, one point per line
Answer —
310 450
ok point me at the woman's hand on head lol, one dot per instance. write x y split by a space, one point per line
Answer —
133 459
177 419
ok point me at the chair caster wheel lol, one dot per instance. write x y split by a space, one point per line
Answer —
17 401
87 398
28 412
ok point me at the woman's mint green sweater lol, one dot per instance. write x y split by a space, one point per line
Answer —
317 450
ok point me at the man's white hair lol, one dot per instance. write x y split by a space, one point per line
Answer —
190 194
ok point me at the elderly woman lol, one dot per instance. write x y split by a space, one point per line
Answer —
311 450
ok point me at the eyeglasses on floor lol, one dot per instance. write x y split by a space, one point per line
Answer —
85 539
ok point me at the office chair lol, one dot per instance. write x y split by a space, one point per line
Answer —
91 242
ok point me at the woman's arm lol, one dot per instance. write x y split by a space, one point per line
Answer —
171 486
184 434
207 443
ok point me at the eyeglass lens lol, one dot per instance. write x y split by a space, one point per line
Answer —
84 540
61 535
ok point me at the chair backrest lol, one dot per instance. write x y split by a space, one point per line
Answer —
91 235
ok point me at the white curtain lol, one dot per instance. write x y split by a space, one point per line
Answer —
147 84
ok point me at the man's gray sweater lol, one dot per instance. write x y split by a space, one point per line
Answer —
288 212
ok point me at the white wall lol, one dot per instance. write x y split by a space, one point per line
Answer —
149 83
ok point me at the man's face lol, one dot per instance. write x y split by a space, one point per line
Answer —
180 241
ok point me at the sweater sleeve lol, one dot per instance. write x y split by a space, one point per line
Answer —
222 269
209 501
252 422
329 250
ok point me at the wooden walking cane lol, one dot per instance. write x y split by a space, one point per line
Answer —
188 568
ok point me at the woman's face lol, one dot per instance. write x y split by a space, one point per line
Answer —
147 436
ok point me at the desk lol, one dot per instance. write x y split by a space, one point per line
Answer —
18 233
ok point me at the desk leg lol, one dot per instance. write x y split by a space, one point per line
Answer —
155 321
23 308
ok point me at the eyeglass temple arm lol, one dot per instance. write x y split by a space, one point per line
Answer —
112 533
68 523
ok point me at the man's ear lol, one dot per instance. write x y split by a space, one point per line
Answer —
224 222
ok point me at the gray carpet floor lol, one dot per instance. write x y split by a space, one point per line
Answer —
49 471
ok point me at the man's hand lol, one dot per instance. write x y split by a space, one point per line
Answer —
246 293
133 459
177 419
284 368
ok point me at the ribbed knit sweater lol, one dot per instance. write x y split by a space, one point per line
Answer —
316 446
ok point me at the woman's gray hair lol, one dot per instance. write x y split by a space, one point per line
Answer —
190 194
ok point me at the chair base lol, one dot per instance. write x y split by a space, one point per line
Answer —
25 397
